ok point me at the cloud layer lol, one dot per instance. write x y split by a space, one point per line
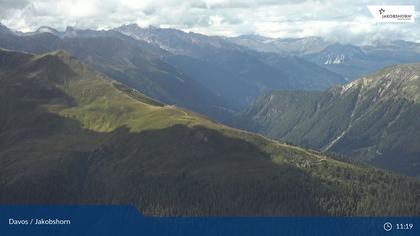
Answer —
341 20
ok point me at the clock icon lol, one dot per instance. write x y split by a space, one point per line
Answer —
387 226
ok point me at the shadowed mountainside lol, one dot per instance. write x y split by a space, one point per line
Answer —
68 135
373 119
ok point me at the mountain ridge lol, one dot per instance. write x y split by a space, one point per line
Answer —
234 72
370 118
134 63
93 140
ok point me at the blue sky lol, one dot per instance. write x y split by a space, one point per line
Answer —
338 20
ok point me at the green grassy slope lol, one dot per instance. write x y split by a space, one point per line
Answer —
134 63
373 119
68 134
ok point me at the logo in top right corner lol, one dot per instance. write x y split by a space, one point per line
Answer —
381 11
393 13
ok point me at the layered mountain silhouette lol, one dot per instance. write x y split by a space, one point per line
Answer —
210 75
235 73
348 60
71 135
373 119
283 46
134 63
131 116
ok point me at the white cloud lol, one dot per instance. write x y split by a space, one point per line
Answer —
346 21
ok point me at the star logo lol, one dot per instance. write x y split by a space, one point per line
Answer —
381 11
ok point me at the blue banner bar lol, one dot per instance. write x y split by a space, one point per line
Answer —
126 220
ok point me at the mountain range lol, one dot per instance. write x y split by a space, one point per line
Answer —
139 116
71 135
373 119
210 75
348 60
284 46
134 63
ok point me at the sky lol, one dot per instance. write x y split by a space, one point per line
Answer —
347 21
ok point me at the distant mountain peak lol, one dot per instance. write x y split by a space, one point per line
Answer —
344 48
131 26
398 80
295 46
4 29
254 37
303 39
70 28
338 53
47 29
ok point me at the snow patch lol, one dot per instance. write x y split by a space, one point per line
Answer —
338 59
